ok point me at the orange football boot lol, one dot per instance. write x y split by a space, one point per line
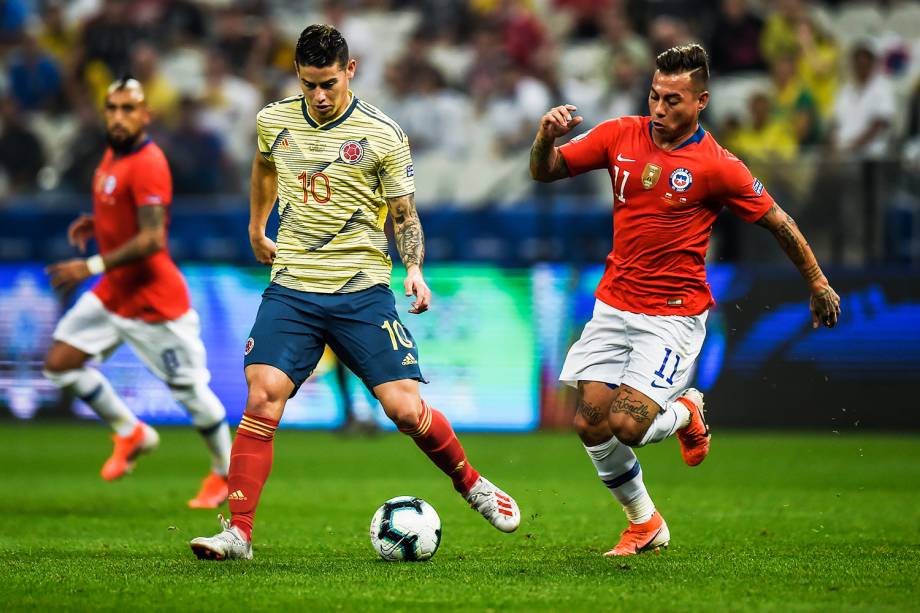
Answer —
694 437
143 439
213 492
652 535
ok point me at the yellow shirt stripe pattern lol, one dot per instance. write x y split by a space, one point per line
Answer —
333 181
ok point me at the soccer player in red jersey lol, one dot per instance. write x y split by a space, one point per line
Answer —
141 299
670 180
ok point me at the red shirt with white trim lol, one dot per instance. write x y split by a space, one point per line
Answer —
664 205
151 289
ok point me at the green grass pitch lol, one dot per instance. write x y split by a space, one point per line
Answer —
769 522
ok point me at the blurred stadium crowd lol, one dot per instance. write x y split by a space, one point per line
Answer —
821 99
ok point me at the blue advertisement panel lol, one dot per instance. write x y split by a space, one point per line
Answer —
476 348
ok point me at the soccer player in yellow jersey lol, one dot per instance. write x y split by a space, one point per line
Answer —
336 166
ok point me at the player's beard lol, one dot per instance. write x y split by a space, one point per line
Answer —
122 144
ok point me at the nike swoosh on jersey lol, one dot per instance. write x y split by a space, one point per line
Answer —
661 386
620 158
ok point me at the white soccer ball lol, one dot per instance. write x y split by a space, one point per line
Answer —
405 528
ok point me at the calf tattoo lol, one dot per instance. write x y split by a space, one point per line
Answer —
635 408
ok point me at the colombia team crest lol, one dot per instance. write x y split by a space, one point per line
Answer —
351 152
650 175
681 180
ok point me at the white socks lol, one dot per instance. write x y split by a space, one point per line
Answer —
209 416
619 469
671 418
90 386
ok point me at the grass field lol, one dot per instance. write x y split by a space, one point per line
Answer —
769 522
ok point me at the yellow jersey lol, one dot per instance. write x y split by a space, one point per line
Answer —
333 181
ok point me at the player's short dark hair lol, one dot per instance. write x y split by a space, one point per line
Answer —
321 45
690 58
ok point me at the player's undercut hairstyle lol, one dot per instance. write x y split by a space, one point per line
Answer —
127 83
321 45
690 58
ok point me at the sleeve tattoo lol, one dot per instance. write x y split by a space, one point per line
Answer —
790 238
410 238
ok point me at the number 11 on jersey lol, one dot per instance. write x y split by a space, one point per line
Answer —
616 177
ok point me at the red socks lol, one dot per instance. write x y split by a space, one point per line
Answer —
250 465
436 438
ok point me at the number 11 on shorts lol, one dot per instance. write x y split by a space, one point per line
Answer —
664 364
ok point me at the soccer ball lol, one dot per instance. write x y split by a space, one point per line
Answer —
405 528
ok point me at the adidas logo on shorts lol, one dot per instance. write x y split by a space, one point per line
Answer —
409 360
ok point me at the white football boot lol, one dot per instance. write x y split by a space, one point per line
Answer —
496 506
228 544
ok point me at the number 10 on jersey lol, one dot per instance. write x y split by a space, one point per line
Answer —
309 184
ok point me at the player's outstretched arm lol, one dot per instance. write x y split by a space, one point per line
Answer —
263 190
546 163
410 241
824 303
150 238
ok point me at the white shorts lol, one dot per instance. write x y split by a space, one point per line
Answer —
650 353
172 350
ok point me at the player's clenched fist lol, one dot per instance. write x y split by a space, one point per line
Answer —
263 248
559 120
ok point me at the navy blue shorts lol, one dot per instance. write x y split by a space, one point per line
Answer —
292 329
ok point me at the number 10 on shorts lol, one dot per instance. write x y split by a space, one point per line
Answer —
397 332
664 366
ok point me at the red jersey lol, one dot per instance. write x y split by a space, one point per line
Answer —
664 205
151 289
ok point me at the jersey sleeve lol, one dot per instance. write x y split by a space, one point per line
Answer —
397 175
264 139
736 188
151 181
589 151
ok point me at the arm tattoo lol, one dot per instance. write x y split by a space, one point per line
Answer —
635 408
151 222
546 163
790 238
410 238
592 414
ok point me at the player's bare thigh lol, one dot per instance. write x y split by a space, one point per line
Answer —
269 390
401 401
62 357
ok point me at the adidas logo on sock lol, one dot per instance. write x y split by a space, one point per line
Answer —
237 495
409 360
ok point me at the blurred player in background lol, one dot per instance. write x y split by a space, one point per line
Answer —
337 165
141 299
670 180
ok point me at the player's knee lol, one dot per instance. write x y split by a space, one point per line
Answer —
590 430
265 401
405 412
202 404
61 378
627 430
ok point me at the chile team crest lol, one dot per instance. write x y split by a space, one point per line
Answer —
681 180
351 152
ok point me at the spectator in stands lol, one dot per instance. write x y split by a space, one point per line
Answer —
21 155
734 45
85 148
666 31
793 103
34 77
229 106
623 41
196 155
14 16
779 36
864 109
55 35
763 142
818 63
162 97
106 43
628 90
